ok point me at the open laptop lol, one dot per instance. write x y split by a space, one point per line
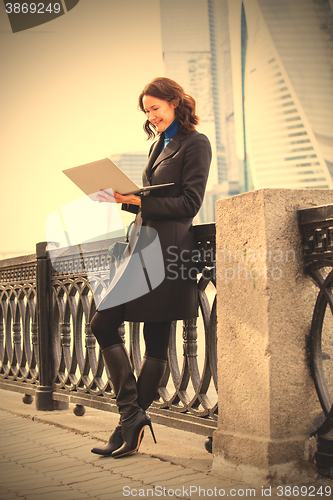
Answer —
105 175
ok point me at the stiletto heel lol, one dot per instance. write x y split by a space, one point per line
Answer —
152 432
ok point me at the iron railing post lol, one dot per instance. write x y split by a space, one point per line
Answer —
44 391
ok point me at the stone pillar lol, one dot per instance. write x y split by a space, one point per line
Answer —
267 399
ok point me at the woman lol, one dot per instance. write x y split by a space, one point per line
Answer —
180 156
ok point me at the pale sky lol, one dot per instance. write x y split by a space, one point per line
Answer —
69 96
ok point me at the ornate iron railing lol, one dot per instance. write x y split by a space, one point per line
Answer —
18 324
317 230
66 365
316 225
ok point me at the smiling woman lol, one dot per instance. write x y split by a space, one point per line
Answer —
181 157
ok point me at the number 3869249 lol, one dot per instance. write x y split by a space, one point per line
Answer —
32 8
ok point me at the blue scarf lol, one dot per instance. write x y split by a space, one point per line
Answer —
170 132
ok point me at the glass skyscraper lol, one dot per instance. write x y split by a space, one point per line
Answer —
261 72
283 91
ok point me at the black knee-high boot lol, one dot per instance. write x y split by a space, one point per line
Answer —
133 418
151 373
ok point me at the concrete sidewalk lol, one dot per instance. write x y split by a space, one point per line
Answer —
46 456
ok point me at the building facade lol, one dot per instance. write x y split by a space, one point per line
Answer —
282 55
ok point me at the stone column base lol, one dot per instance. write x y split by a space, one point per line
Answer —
260 469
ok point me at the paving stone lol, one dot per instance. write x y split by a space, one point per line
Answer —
10 495
133 485
5 467
45 490
66 495
134 468
195 477
20 430
16 421
8 445
69 438
56 467
68 444
44 463
110 496
23 445
34 483
153 477
74 470
95 486
185 474
118 483
159 465
91 480
113 465
125 463
13 476
15 436
87 477
83 472
11 480
83 455
38 431
30 458
51 430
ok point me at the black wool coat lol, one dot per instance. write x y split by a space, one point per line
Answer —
169 211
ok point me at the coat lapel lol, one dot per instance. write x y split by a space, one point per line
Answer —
155 159
171 148
152 157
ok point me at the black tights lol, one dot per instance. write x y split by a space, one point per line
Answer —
105 324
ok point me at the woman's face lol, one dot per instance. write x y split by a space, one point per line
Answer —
159 112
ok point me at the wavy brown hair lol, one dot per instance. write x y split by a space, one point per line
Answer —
169 90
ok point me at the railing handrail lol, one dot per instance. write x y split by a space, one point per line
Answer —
17 261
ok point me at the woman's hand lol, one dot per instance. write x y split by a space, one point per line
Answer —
130 199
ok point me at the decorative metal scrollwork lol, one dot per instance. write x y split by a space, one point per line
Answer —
18 323
317 230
